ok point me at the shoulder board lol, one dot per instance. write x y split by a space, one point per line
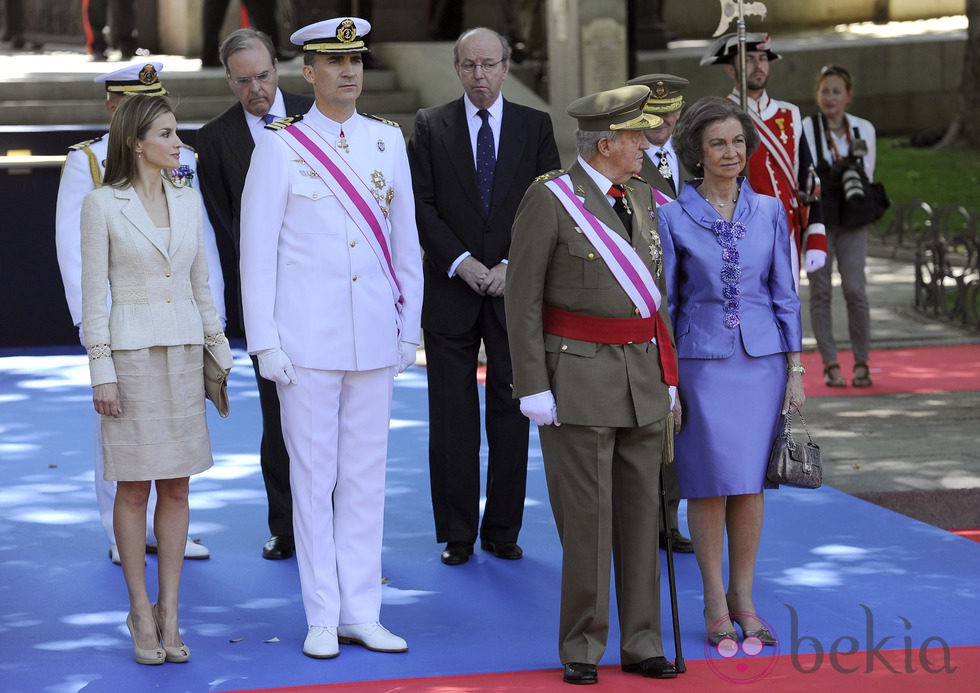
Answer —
283 122
187 147
86 143
641 179
381 120
550 175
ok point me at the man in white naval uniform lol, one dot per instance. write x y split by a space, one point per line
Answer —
82 173
332 290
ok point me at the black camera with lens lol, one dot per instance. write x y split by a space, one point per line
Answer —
851 174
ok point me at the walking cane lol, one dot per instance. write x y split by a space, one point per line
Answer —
678 653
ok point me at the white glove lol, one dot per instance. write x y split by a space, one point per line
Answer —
406 355
274 365
540 408
672 391
814 260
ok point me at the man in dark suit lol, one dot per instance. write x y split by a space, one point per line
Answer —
472 160
225 146
663 171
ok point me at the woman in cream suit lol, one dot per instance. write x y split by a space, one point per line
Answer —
142 239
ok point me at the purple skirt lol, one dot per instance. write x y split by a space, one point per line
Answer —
731 414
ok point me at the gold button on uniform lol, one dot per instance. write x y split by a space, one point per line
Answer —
353 243
591 256
636 311
564 347
354 278
167 275
168 300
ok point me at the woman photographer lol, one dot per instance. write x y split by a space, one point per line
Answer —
843 146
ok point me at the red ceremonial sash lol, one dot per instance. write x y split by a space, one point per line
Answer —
630 272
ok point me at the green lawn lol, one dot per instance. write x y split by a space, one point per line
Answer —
937 177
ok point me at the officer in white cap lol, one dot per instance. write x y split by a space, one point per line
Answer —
82 173
331 292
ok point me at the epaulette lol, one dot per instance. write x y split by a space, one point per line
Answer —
188 147
382 120
640 178
283 122
86 143
550 175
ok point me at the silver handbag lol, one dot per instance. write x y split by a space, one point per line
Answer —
792 462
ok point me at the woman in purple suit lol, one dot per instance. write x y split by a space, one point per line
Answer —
736 319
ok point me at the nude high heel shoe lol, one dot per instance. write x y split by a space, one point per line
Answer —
149 655
179 654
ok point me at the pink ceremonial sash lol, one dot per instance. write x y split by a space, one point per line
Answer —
627 267
659 197
352 193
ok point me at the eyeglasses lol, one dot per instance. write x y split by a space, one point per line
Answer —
261 78
487 67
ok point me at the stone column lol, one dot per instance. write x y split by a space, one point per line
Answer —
587 52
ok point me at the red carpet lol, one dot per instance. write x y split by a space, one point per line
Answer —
902 371
897 671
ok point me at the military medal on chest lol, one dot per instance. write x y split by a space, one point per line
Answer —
664 167
342 142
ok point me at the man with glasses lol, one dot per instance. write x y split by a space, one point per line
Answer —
472 160
225 146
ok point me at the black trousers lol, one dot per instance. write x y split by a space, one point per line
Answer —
274 459
454 435
96 15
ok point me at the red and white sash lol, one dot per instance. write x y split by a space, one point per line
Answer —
778 151
352 192
630 271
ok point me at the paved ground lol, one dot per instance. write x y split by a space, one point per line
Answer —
916 454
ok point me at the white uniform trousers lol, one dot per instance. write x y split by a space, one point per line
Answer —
335 424
105 493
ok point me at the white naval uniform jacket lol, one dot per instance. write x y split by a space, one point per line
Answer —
311 284
76 182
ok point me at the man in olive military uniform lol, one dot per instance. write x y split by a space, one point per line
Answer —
593 367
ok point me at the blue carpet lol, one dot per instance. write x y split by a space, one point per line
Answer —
832 569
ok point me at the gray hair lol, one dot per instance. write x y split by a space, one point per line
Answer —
504 45
587 141
241 40
696 119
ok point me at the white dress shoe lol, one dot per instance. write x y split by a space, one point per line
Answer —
373 636
196 551
321 642
192 550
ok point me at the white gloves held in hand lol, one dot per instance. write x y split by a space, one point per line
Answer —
274 365
406 355
814 260
540 408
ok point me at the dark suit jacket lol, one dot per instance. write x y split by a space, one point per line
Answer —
651 174
224 149
449 209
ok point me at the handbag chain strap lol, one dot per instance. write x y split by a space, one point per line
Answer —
787 427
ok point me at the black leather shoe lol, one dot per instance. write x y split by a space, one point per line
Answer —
576 672
457 553
502 549
678 541
278 548
652 668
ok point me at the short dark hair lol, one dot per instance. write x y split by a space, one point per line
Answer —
242 39
690 128
129 123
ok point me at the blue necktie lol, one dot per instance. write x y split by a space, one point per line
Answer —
268 118
485 160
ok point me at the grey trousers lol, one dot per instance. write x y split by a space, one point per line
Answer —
850 248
